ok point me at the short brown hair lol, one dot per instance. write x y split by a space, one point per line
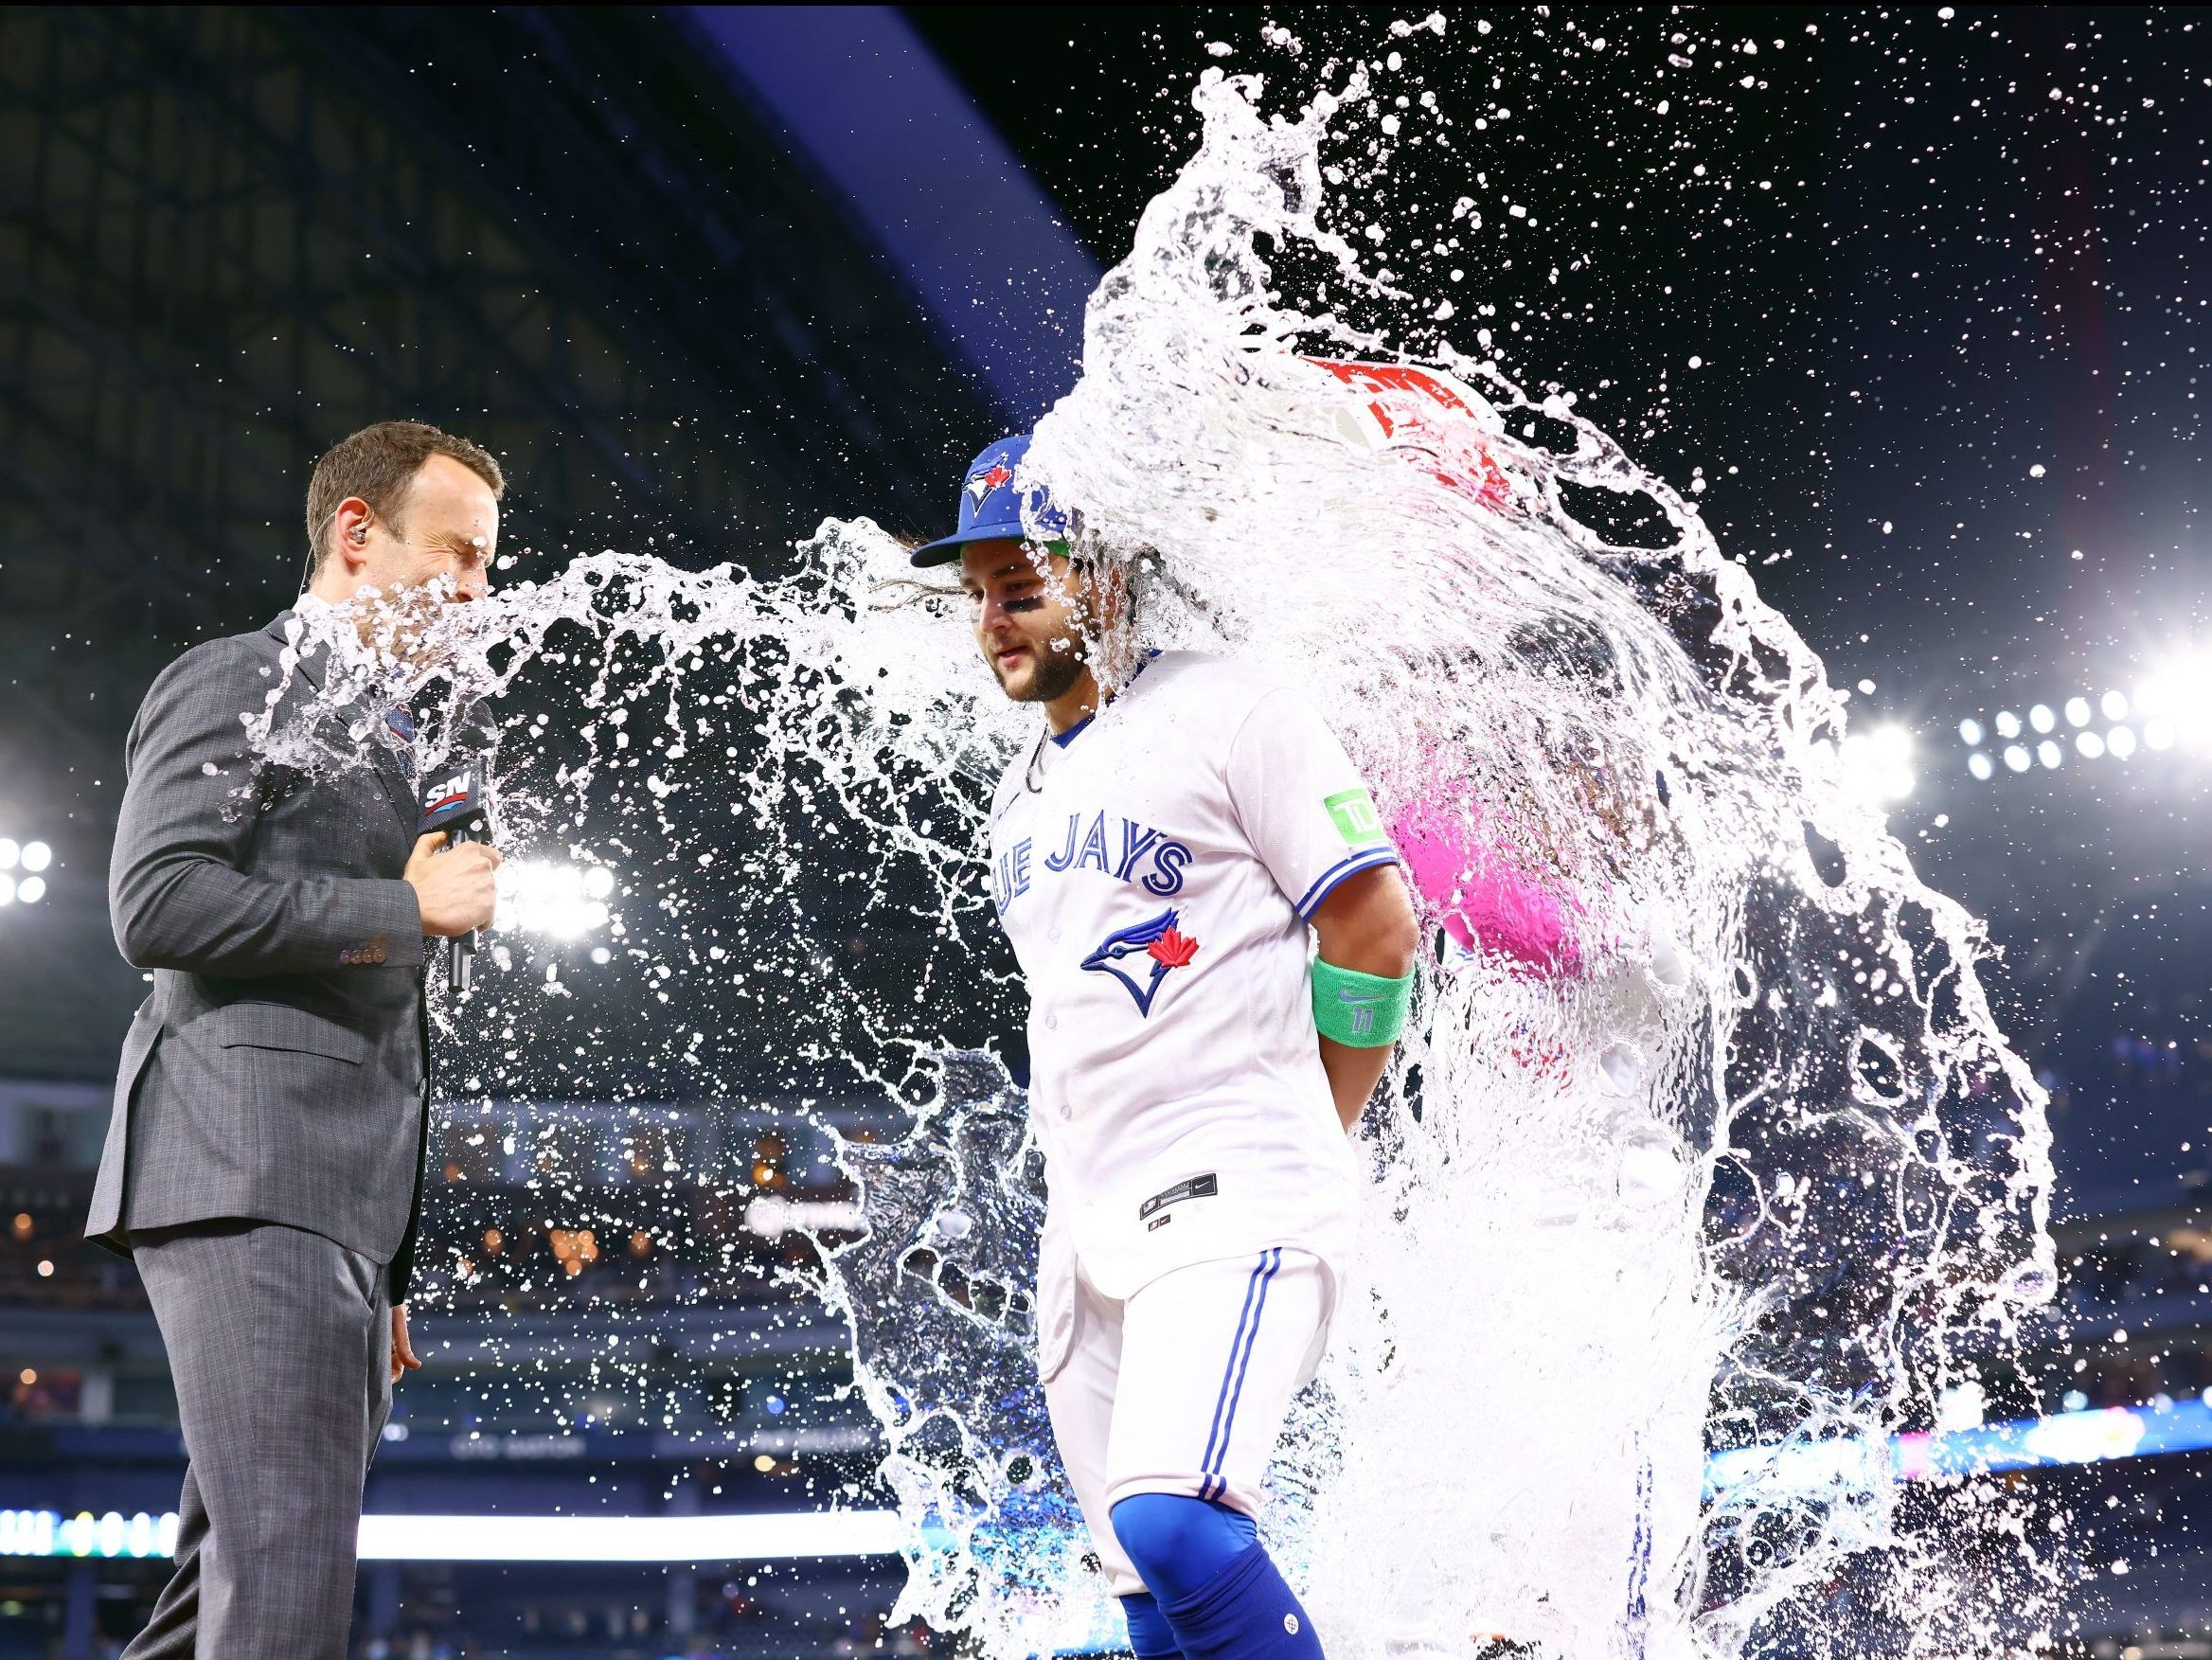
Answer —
379 464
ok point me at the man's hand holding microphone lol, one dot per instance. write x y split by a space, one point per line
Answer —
455 824
453 885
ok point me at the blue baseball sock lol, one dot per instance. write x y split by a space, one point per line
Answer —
1219 1591
1151 1637
1248 1612
1179 1545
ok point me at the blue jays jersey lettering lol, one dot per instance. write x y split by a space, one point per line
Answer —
1128 851
1156 875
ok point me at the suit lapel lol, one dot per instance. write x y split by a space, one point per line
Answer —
399 786
384 761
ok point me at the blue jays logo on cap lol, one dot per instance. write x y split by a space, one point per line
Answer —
980 484
992 513
1158 947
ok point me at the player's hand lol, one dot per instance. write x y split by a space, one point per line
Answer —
403 1352
454 887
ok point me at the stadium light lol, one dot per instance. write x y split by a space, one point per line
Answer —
2118 739
20 866
2177 697
1879 764
563 901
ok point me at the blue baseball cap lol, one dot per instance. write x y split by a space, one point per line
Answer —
991 510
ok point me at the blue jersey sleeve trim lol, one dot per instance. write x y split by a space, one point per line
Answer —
1367 859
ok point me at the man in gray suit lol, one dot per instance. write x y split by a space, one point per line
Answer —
264 1160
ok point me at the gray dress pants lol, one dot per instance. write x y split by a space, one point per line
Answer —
279 1342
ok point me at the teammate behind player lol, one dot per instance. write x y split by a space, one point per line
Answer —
1191 1077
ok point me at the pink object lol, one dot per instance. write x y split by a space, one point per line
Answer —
1476 895
1429 418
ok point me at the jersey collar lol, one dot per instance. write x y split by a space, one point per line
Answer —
1061 739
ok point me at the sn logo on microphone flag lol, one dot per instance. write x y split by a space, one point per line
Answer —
451 793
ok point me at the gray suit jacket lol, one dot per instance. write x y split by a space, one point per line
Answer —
280 1070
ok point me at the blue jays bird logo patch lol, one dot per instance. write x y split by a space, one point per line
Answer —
981 484
1150 949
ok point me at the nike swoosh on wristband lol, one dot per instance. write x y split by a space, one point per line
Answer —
1359 997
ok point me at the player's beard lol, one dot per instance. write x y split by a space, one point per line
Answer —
1055 674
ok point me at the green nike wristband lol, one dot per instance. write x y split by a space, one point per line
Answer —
1361 1011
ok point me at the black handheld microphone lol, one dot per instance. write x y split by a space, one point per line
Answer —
458 805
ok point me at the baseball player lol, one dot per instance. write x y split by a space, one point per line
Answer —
1161 855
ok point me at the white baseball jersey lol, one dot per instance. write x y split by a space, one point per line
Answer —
1154 869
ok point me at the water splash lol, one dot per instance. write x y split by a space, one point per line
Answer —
1773 1020
1750 1163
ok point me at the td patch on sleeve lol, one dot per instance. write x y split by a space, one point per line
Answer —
1356 819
